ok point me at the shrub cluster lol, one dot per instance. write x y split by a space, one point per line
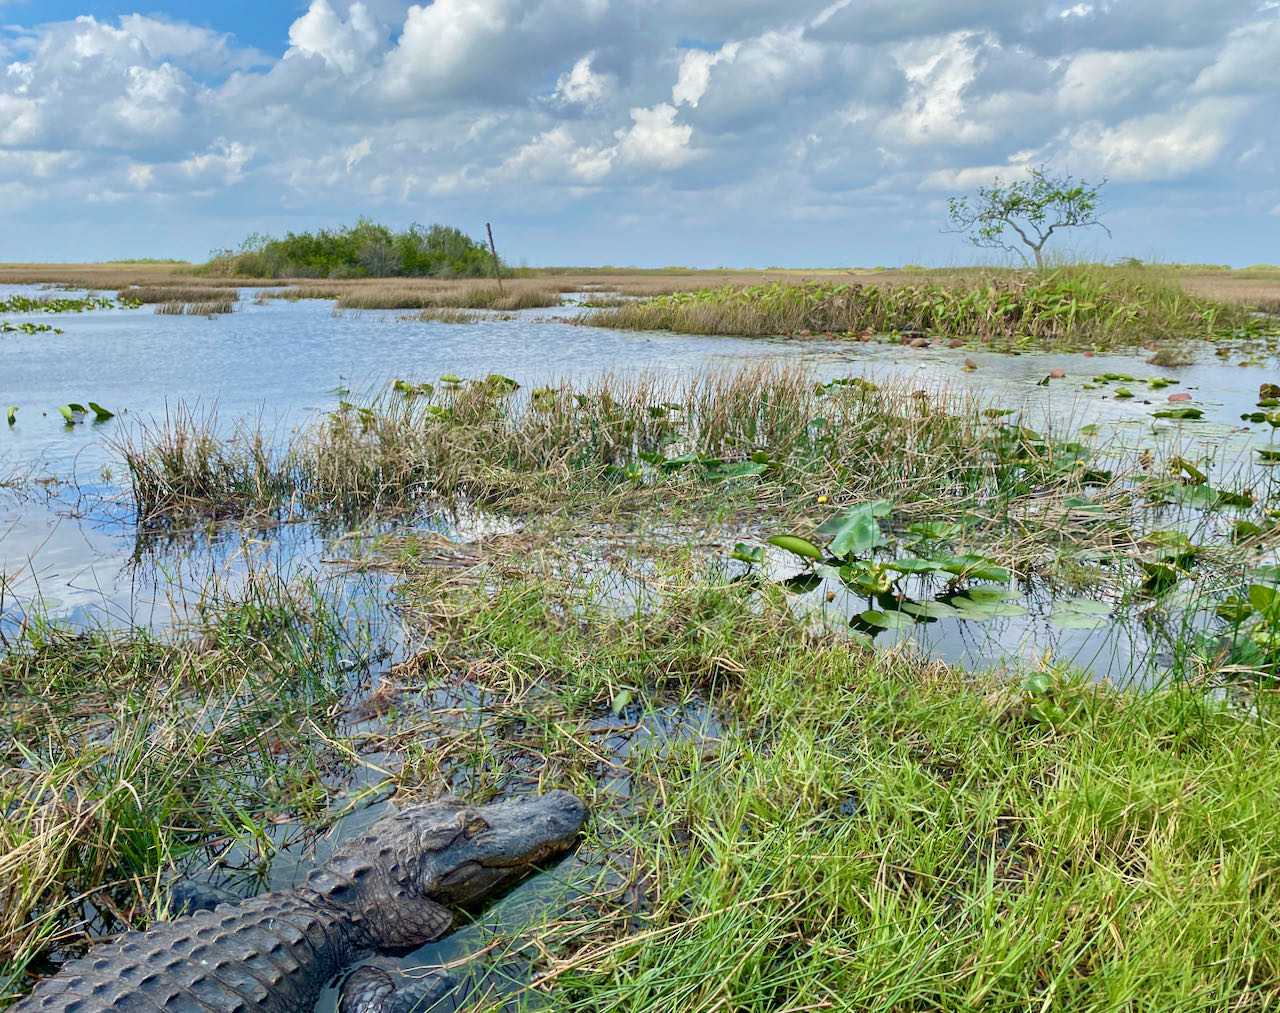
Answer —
363 250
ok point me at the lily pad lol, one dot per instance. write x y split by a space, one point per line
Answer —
886 620
1080 614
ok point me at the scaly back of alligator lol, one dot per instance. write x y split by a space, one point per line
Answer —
271 954
275 953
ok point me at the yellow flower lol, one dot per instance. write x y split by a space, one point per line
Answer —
822 499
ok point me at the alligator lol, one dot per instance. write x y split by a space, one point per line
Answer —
389 890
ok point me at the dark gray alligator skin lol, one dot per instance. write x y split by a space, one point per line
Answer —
385 890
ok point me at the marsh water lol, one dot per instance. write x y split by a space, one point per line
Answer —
68 546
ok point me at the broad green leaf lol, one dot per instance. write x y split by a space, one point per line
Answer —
856 530
748 553
100 414
909 564
719 470
980 610
1080 614
930 610
1038 684
12 414
802 583
886 620
1265 599
620 701
799 546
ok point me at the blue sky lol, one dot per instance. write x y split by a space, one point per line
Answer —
647 132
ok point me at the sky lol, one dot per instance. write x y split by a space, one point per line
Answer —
739 133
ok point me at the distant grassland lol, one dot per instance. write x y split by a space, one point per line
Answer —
1153 294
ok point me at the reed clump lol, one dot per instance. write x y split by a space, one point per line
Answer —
183 466
1059 308
761 436
194 309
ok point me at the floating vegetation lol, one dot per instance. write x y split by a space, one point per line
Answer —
59 304
28 327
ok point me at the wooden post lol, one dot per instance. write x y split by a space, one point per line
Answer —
497 271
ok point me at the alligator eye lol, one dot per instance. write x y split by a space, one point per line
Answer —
475 824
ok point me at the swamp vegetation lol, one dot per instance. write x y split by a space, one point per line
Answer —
694 601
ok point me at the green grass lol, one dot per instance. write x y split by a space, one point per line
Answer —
1081 306
864 832
126 757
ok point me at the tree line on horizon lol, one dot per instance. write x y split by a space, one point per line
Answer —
364 250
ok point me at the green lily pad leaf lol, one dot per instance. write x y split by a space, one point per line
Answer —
748 553
1179 413
450 378
12 414
799 546
1234 609
986 595
930 610
1080 614
967 608
719 470
886 620
1269 455
856 530
1265 599
69 412
1082 505
100 414
620 701
1123 392
972 567
909 564
940 530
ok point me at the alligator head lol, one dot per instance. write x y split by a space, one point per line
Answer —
397 877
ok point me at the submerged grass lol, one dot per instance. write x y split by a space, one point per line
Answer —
1067 306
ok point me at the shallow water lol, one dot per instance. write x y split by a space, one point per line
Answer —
69 547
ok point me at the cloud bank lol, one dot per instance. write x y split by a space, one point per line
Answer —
644 131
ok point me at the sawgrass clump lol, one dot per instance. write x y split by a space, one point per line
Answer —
760 438
1097 307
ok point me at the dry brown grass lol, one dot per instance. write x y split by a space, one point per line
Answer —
184 293
1261 293
103 277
